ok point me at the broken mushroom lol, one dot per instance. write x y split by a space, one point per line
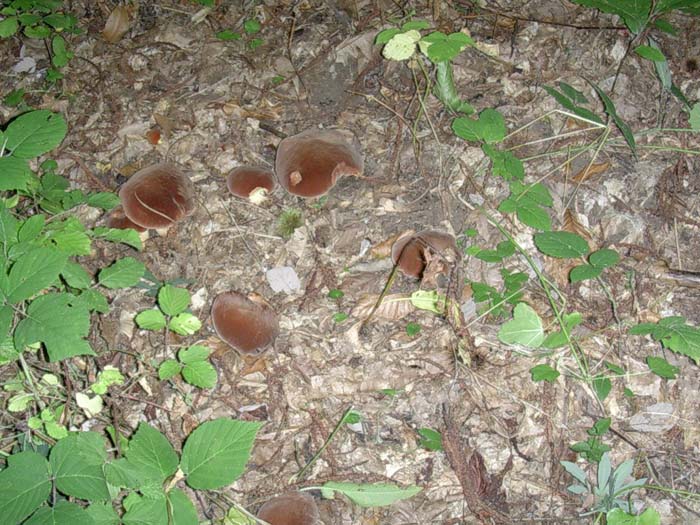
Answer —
247 324
295 508
411 252
157 196
250 182
308 164
117 219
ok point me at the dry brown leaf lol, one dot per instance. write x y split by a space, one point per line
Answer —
573 225
117 24
383 249
166 124
591 171
393 307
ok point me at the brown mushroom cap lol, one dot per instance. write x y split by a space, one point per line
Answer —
244 180
308 164
157 196
409 251
247 325
295 508
118 220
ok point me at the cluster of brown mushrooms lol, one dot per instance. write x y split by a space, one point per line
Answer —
306 165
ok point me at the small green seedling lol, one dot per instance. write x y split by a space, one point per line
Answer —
593 448
288 221
172 303
193 363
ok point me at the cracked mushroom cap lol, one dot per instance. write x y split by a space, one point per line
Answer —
250 182
248 325
308 164
157 196
295 508
117 219
409 251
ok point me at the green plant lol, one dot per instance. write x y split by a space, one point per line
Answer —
250 27
673 333
610 488
288 221
593 448
193 364
41 19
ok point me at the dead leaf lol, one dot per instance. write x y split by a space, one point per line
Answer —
117 24
573 225
393 307
591 171
383 249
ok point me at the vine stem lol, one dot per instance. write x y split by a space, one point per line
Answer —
30 379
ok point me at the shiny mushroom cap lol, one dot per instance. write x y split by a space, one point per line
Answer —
308 164
409 251
251 182
295 508
118 220
248 325
157 196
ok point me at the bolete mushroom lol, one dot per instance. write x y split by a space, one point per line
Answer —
294 508
308 164
157 196
251 182
247 324
411 251
117 219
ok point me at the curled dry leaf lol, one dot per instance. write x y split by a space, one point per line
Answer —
117 24
573 225
393 307
590 171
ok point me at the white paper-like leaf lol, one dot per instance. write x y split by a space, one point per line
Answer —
283 279
91 406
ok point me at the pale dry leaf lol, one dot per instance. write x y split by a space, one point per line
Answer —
590 171
573 225
393 307
117 25
383 249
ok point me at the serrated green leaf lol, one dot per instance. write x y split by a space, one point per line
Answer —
200 373
493 126
93 300
62 513
8 26
216 452
619 517
662 368
169 369
183 510
102 514
584 272
71 242
193 353
650 53
429 300
24 485
415 24
103 200
430 439
35 133
544 373
602 386
31 228
152 453
60 321
126 236
76 276
185 324
152 319
504 163
635 13
524 329
467 128
562 244
384 36
123 273
604 258
146 511
15 173
34 271
532 215
173 300
76 463
369 495
402 46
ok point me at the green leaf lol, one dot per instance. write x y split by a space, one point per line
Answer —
621 124
446 91
504 163
169 369
216 452
61 55
34 271
76 276
430 439
673 333
251 26
76 462
127 236
415 24
123 273
563 245
412 329
384 36
104 200
71 242
60 321
183 510
493 126
467 128
31 228
544 373
146 511
635 13
35 133
228 34
694 118
15 173
102 514
185 324
525 328
650 53
602 386
584 272
24 485
62 513
8 228
662 368
429 300
173 300
152 454
200 373
8 26
193 354
335 294
402 46
619 517
93 300
572 93
150 319
369 495
604 258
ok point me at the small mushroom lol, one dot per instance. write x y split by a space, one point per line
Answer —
251 182
117 219
157 196
294 508
308 164
411 251
247 324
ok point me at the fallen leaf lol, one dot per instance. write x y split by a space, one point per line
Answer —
117 24
393 307
591 171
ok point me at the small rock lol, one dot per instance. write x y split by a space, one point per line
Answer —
655 418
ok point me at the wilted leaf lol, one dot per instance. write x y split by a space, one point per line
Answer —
117 24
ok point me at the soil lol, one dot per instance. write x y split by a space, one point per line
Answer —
218 104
